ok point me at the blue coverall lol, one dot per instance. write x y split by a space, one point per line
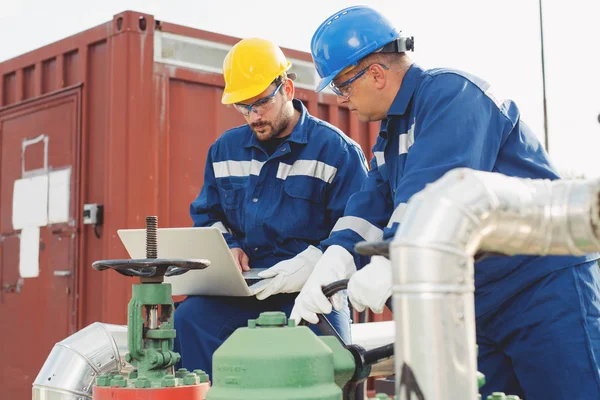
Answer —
538 318
272 207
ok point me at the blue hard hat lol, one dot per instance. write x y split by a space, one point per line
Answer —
347 37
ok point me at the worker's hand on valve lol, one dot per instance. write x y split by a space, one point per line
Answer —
371 286
335 264
287 276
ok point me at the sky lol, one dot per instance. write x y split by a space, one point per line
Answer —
497 40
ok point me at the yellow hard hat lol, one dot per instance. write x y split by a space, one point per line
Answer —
250 67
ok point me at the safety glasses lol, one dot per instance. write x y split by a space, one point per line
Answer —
261 106
344 89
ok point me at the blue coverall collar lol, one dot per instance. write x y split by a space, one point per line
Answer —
407 89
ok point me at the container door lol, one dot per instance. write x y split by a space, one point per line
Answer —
39 186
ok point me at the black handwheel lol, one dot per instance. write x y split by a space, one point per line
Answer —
151 267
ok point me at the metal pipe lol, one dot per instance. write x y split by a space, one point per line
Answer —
73 364
432 257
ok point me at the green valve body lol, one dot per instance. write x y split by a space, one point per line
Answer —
150 328
273 360
151 350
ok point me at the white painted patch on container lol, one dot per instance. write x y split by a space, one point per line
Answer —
30 202
59 196
29 252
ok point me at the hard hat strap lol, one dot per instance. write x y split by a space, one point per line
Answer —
400 45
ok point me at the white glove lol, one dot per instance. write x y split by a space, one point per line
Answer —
288 276
335 264
371 286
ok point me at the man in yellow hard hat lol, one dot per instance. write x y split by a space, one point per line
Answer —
275 187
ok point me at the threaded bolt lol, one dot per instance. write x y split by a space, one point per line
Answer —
152 237
202 376
181 372
142 382
169 381
118 381
190 379
103 380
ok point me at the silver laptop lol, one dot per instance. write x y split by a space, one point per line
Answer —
221 278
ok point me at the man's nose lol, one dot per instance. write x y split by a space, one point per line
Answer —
254 117
341 100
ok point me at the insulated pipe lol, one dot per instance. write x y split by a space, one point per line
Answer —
73 364
432 257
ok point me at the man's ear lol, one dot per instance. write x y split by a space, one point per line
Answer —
289 89
378 75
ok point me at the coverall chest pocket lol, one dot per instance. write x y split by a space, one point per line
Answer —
233 192
303 189
232 199
303 205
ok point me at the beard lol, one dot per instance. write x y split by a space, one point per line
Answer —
266 130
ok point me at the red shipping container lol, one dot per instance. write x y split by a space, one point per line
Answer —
126 111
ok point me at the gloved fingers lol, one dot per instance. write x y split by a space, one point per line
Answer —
380 305
318 302
354 296
375 302
286 267
295 315
309 316
260 286
308 304
357 303
272 288
338 301
300 312
269 273
377 308
358 306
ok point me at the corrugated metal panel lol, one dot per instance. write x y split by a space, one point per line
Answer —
145 125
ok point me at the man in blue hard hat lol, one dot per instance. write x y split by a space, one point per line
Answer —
538 318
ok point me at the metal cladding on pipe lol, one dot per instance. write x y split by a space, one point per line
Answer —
73 364
434 311
432 254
